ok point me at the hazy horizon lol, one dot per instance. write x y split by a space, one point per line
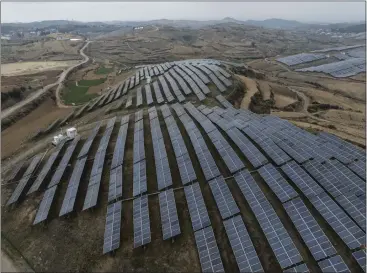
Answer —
306 12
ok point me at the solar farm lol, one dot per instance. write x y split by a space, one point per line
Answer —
170 176
350 61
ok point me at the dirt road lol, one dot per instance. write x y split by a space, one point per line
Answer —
7 264
7 112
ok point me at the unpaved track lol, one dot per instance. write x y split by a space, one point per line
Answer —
7 264
251 90
7 112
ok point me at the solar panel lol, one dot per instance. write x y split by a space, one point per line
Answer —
229 156
304 182
302 268
209 256
86 147
139 152
33 165
223 198
44 172
166 112
347 230
297 153
255 157
112 228
115 186
351 179
166 90
45 205
358 167
277 183
163 172
98 163
139 125
148 94
197 209
138 115
24 180
139 178
268 145
119 151
354 207
310 231
360 257
129 101
243 249
329 179
169 217
277 236
333 264
141 221
174 87
198 73
71 191
186 169
181 82
92 192
158 94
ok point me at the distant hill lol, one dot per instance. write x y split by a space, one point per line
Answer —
275 23
351 29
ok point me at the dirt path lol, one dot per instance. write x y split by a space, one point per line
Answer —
251 90
7 265
7 112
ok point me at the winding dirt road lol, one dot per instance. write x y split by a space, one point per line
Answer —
7 112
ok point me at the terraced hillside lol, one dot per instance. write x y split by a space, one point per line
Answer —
170 176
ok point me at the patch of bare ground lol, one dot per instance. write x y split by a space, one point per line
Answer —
13 138
250 90
283 96
265 89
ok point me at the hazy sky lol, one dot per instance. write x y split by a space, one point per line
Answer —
127 11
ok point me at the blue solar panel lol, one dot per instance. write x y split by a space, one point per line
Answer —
169 216
113 228
208 251
197 209
304 182
277 183
339 221
141 221
310 231
277 236
45 205
333 264
243 249
360 257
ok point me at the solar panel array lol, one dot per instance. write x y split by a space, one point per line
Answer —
243 249
311 233
360 256
139 167
340 69
208 251
301 58
24 180
229 156
64 163
277 183
184 163
162 167
96 173
302 179
339 221
206 160
197 209
45 170
112 228
45 205
223 197
88 143
355 208
333 264
72 189
141 221
277 236
169 216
